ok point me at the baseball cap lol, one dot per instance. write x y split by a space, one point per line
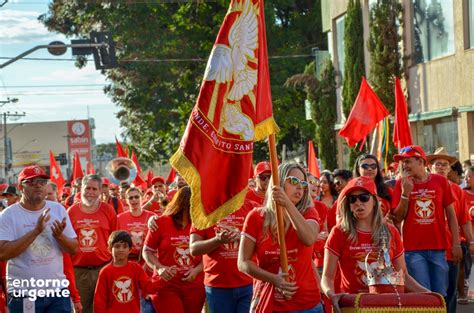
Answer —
105 181
409 152
10 190
262 167
157 179
30 172
362 182
393 166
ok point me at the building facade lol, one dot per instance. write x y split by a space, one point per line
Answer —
438 48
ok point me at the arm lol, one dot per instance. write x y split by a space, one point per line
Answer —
247 266
410 283
467 231
200 246
400 211
193 273
12 249
101 293
454 228
307 231
165 272
327 282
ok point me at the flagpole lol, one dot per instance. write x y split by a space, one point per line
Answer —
279 211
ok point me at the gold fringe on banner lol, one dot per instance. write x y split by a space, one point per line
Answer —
265 128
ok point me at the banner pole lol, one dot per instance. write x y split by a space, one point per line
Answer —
279 210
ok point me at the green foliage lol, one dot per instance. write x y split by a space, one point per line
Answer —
385 58
354 65
155 93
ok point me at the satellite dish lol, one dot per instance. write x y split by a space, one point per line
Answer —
59 49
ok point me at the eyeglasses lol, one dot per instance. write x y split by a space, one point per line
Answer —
366 166
364 197
296 181
263 177
314 182
337 182
133 197
406 149
34 182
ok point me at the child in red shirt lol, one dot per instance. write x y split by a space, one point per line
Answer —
119 283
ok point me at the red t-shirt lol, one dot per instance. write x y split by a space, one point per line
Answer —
469 198
117 288
137 226
255 197
352 256
69 273
93 231
322 210
119 203
426 213
220 266
3 300
265 296
331 217
170 194
462 217
154 208
172 248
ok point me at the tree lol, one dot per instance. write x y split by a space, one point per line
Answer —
162 49
385 57
354 65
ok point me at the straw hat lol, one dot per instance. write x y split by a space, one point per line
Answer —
441 153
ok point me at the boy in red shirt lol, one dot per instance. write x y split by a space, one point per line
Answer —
119 284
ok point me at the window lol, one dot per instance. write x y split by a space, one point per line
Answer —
433 29
471 23
340 43
442 132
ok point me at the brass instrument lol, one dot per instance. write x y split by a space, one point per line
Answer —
121 170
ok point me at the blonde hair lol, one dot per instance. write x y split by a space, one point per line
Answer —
270 220
349 222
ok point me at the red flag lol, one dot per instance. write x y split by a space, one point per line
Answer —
366 112
55 173
171 176
90 168
233 110
135 160
149 177
313 166
76 167
401 126
121 153
140 182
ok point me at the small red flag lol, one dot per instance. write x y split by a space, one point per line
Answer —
90 168
233 110
313 166
171 176
401 126
366 112
55 173
137 164
149 177
76 167
121 153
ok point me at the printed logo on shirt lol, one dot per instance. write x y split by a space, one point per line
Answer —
137 238
424 207
230 224
87 237
123 289
42 246
182 256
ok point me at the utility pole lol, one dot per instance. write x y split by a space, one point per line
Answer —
5 138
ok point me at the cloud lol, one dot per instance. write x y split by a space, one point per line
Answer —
23 26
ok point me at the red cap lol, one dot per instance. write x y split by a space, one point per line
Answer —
393 165
409 152
157 179
66 191
31 172
362 182
112 185
105 181
262 167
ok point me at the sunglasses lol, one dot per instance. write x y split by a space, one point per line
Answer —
296 181
34 182
133 197
263 177
364 197
314 181
406 149
337 183
367 166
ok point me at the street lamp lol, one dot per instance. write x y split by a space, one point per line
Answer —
9 100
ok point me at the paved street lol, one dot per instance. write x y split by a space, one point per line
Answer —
465 308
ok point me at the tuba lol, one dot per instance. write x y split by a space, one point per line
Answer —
121 170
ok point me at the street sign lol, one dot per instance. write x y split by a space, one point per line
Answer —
57 48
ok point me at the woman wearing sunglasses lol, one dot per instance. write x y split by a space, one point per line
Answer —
368 165
259 253
361 232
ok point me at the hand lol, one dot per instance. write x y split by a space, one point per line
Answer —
77 307
335 301
191 274
407 185
225 236
152 223
457 253
157 195
58 227
286 288
279 196
167 272
42 221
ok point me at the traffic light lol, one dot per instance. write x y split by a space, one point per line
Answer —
104 56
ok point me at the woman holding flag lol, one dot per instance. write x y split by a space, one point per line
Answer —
259 252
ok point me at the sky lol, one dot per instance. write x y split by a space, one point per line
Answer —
52 89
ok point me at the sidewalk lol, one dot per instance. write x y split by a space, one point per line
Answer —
469 308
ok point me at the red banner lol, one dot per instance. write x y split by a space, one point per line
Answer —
55 173
79 137
232 111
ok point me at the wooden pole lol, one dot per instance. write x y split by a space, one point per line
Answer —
279 210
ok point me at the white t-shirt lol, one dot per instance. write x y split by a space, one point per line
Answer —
43 259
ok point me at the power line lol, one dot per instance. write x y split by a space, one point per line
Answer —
54 86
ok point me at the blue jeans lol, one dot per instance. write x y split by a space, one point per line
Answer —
42 305
229 300
429 268
452 292
146 306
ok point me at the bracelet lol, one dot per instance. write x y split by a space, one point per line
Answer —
404 197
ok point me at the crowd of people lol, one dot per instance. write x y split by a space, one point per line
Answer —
99 247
